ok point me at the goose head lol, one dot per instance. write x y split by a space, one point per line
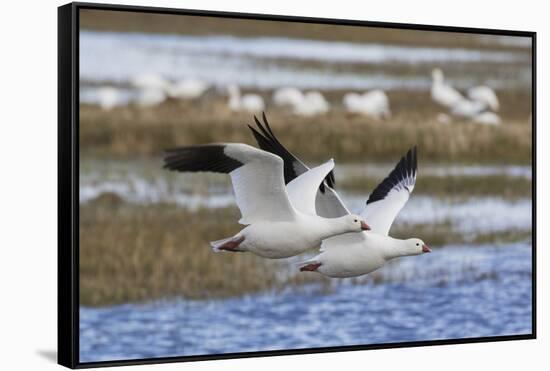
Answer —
415 246
355 223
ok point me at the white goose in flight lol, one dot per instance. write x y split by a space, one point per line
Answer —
351 255
275 227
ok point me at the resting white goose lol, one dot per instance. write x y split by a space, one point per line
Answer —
187 89
150 81
276 228
287 96
109 97
151 89
443 93
309 104
247 102
150 97
350 255
485 95
466 108
313 103
374 104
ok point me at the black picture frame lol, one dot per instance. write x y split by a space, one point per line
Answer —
68 182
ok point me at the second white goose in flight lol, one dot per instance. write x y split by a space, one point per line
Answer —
276 228
350 255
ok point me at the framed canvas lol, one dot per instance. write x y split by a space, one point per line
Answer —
242 185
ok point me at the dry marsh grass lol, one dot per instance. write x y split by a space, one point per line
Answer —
135 131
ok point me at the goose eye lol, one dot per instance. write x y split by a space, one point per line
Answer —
355 220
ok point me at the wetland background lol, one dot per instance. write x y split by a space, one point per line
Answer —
149 284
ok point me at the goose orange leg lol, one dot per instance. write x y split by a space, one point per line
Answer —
232 244
312 267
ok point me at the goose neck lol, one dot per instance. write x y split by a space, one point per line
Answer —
325 227
395 248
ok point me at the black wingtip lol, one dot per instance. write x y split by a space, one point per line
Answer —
251 128
257 121
263 130
197 158
266 123
267 140
405 168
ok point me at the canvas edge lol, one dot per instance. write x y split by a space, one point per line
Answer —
67 250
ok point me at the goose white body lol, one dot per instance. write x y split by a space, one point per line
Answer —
109 97
374 104
275 240
312 103
247 102
151 89
150 81
187 89
443 93
484 95
487 118
466 108
358 257
287 97
150 97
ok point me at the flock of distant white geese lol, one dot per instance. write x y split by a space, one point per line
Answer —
289 208
479 105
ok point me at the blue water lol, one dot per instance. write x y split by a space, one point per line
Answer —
455 292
